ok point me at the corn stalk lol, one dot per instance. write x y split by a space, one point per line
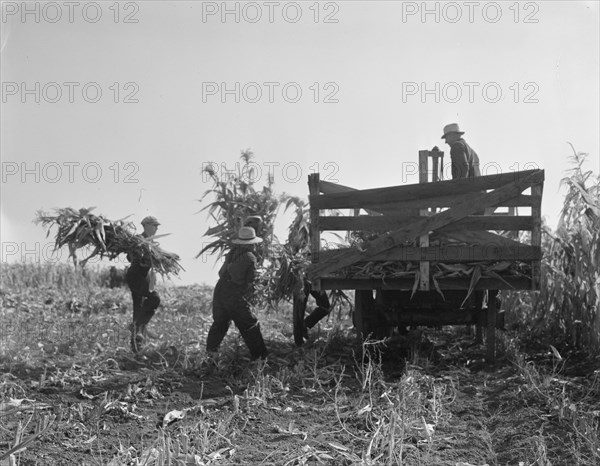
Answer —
79 229
569 304
235 198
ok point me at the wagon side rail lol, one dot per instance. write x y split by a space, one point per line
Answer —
447 211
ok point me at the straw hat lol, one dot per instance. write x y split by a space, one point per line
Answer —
452 128
247 235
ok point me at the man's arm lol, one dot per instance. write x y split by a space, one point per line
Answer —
250 271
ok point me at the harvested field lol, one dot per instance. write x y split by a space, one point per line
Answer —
72 392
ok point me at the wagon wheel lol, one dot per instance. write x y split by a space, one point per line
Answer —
299 311
363 306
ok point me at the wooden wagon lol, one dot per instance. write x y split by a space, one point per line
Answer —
425 234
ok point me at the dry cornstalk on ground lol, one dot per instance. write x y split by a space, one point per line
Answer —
81 228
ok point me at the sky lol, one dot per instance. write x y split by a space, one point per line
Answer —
120 105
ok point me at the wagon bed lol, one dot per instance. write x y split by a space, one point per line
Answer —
422 229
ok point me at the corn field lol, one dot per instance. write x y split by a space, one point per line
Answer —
568 306
71 392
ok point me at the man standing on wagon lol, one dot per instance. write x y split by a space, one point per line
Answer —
465 162
141 279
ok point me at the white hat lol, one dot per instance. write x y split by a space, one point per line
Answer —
452 128
247 235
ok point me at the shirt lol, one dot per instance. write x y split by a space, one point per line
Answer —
465 161
239 267
141 265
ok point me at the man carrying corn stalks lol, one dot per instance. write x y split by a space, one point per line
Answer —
232 295
141 279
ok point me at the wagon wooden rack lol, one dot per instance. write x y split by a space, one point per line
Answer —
430 225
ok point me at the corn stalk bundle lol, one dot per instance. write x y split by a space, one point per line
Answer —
385 270
236 199
106 238
284 276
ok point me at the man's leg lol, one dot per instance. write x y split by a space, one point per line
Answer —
149 306
219 327
322 309
136 283
136 338
249 328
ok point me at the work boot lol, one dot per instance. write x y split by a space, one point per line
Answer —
146 333
255 343
263 355
209 365
137 342
136 338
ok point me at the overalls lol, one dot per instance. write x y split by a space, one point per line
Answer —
231 302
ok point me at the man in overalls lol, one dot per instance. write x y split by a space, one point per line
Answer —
141 279
232 294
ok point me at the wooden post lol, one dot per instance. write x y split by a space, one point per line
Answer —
513 234
315 233
435 176
437 159
438 165
479 328
424 239
536 231
491 327
423 158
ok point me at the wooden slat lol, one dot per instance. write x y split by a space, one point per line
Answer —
315 232
423 239
399 207
450 189
427 224
448 254
524 200
536 232
329 283
394 222
326 187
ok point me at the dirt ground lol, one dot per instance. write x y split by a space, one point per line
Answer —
426 398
